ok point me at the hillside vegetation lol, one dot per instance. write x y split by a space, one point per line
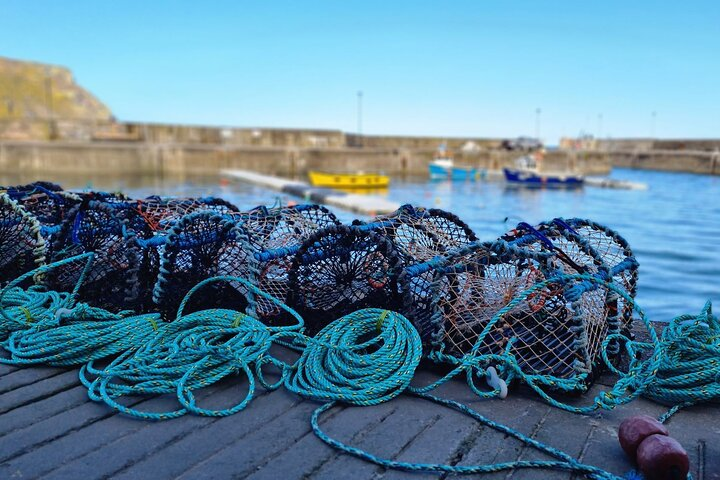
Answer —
32 91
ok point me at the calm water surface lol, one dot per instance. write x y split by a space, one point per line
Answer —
673 227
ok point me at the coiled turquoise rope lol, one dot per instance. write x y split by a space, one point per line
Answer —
689 371
22 309
48 328
193 352
99 335
27 308
365 358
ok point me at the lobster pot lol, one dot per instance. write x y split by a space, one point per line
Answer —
285 227
112 279
455 302
22 190
48 203
276 234
342 269
199 246
161 213
447 230
412 241
575 256
158 215
617 255
22 247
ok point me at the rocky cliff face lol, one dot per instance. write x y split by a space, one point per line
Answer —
34 91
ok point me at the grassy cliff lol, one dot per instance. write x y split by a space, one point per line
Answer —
32 91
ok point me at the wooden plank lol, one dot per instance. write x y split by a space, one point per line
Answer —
7 369
492 446
442 443
562 430
239 451
148 443
37 434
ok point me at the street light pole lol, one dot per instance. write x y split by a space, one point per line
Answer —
537 123
600 125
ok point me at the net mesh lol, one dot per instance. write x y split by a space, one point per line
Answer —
420 234
342 269
454 302
276 234
573 256
616 255
112 280
22 247
161 213
199 246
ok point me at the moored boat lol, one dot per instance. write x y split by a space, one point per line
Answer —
443 167
526 173
348 180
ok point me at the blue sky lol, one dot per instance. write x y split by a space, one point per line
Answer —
464 68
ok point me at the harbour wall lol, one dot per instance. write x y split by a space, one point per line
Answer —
178 160
690 161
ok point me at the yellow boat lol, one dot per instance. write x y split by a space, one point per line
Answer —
348 180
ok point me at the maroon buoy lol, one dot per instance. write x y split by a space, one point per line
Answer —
635 429
660 457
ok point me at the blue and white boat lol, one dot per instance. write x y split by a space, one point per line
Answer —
527 174
442 167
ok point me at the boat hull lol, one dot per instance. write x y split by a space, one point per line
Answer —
533 179
348 180
453 173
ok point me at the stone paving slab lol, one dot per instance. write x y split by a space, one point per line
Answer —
50 429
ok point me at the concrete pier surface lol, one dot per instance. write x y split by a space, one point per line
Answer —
51 430
358 203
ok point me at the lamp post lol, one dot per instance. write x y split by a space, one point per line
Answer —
538 111
600 125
